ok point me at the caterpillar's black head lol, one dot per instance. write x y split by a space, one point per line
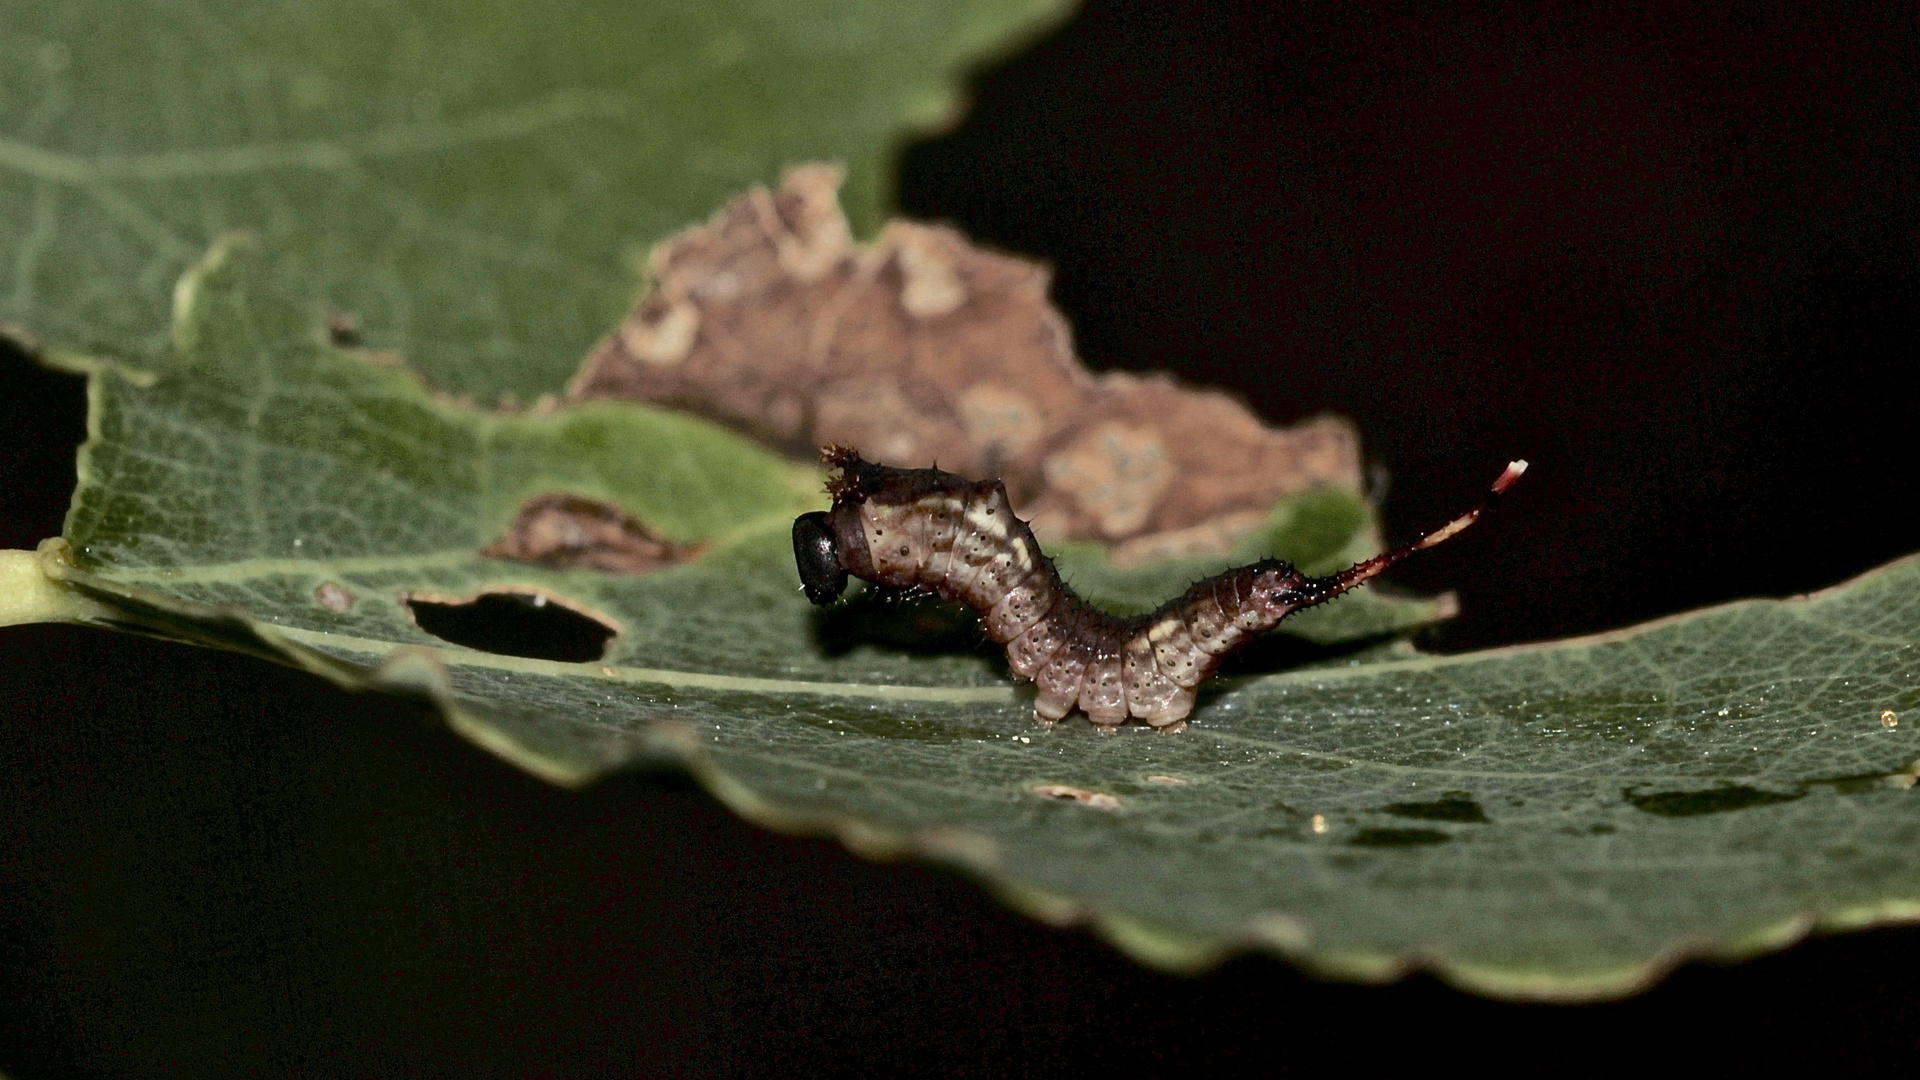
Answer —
817 555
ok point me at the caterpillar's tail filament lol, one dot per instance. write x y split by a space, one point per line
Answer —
1319 590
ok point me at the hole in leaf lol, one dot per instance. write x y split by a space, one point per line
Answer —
1398 837
515 624
1718 800
1452 806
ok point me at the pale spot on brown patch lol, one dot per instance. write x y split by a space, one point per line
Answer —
1098 800
1116 474
930 281
333 597
568 531
804 221
1001 420
666 338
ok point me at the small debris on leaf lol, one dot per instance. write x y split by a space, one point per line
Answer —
333 597
1906 779
343 330
567 531
1098 800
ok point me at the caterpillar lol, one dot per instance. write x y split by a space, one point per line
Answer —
960 539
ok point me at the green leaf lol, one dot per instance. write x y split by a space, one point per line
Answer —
477 184
1558 821
262 464
476 181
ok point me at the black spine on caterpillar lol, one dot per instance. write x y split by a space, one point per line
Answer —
959 538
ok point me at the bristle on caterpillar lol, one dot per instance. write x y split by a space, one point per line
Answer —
960 539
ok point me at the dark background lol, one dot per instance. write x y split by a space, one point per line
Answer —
1668 256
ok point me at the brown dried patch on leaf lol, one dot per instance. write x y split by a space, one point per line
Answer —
920 349
567 531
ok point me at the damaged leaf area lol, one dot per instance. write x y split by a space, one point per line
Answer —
513 622
921 349
566 531
453 203
1562 821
